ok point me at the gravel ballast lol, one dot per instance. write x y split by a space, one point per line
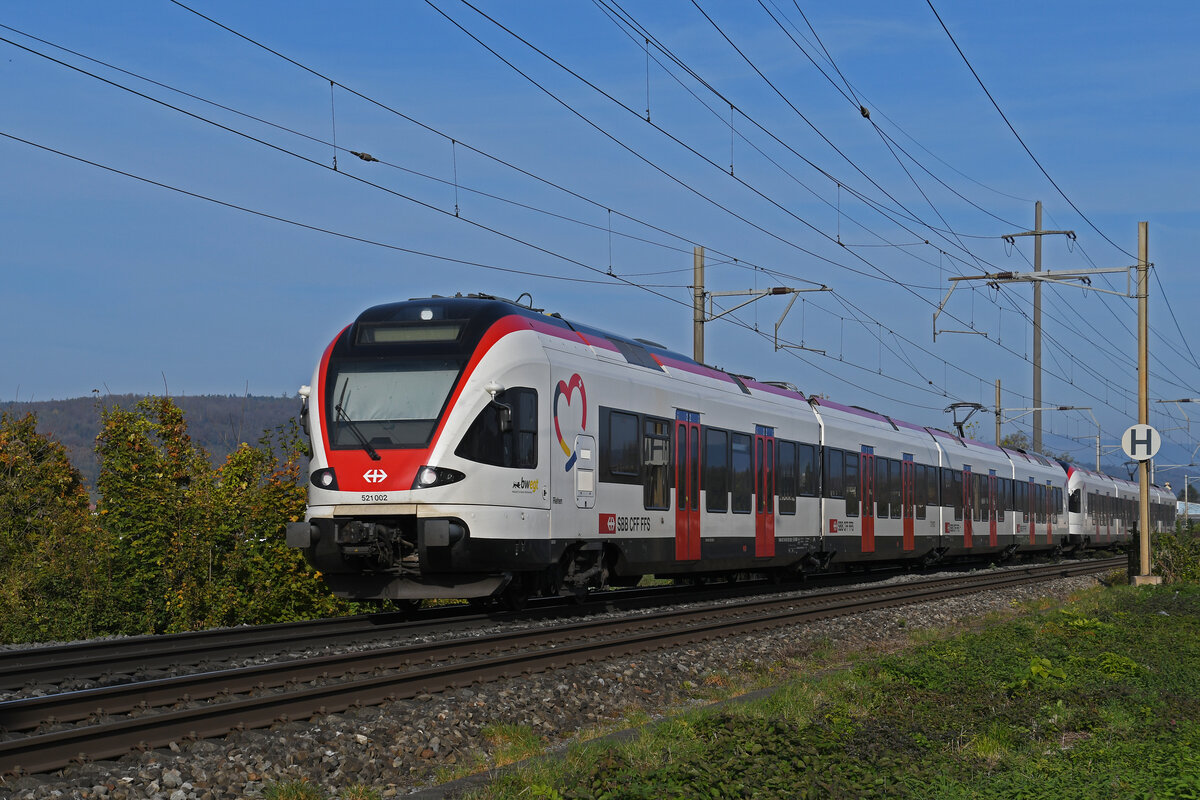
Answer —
404 746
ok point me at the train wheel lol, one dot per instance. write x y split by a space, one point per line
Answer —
516 596
514 600
406 607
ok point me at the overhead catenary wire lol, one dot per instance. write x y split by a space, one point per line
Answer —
1020 140
274 51
738 138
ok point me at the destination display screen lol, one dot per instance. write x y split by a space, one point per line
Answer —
393 332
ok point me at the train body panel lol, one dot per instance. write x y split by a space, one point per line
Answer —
876 503
467 446
1040 516
1104 509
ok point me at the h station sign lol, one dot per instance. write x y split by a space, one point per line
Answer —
1141 442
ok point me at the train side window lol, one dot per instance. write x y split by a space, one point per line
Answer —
1001 498
656 462
956 492
883 491
1058 502
980 500
785 477
947 484
807 470
881 488
621 444
894 488
983 499
488 441
921 489
716 470
742 465
850 484
833 472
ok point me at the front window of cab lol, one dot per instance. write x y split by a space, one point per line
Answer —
388 403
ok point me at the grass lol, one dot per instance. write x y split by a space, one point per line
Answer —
303 790
1096 699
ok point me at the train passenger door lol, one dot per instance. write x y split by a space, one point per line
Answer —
968 506
764 491
687 485
992 508
908 500
866 475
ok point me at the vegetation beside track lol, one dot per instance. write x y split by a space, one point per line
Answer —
172 544
1099 698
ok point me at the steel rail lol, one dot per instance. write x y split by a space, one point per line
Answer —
68 707
96 658
605 639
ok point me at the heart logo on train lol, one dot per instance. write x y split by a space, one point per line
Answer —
566 389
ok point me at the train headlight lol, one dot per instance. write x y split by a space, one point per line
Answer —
428 476
324 479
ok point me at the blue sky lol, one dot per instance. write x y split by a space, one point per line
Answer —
112 282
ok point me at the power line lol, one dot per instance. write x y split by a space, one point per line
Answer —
1004 117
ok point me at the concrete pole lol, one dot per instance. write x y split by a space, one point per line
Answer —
997 412
698 304
1143 290
1037 328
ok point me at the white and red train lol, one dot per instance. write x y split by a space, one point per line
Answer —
474 447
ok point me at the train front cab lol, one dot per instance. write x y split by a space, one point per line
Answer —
414 495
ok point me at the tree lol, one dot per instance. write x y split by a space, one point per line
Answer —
261 579
147 468
54 561
196 546
1019 441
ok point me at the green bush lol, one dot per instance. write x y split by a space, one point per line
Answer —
54 561
173 544
1177 557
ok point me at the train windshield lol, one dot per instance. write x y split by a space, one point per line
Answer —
385 404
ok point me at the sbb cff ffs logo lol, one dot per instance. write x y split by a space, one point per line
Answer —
374 476
611 523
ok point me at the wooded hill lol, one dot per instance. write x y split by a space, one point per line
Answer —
216 423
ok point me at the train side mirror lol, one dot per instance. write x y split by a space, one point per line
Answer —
504 412
304 393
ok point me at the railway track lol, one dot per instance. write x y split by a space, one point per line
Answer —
79 665
116 660
47 733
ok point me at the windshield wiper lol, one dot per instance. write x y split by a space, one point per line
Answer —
357 433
